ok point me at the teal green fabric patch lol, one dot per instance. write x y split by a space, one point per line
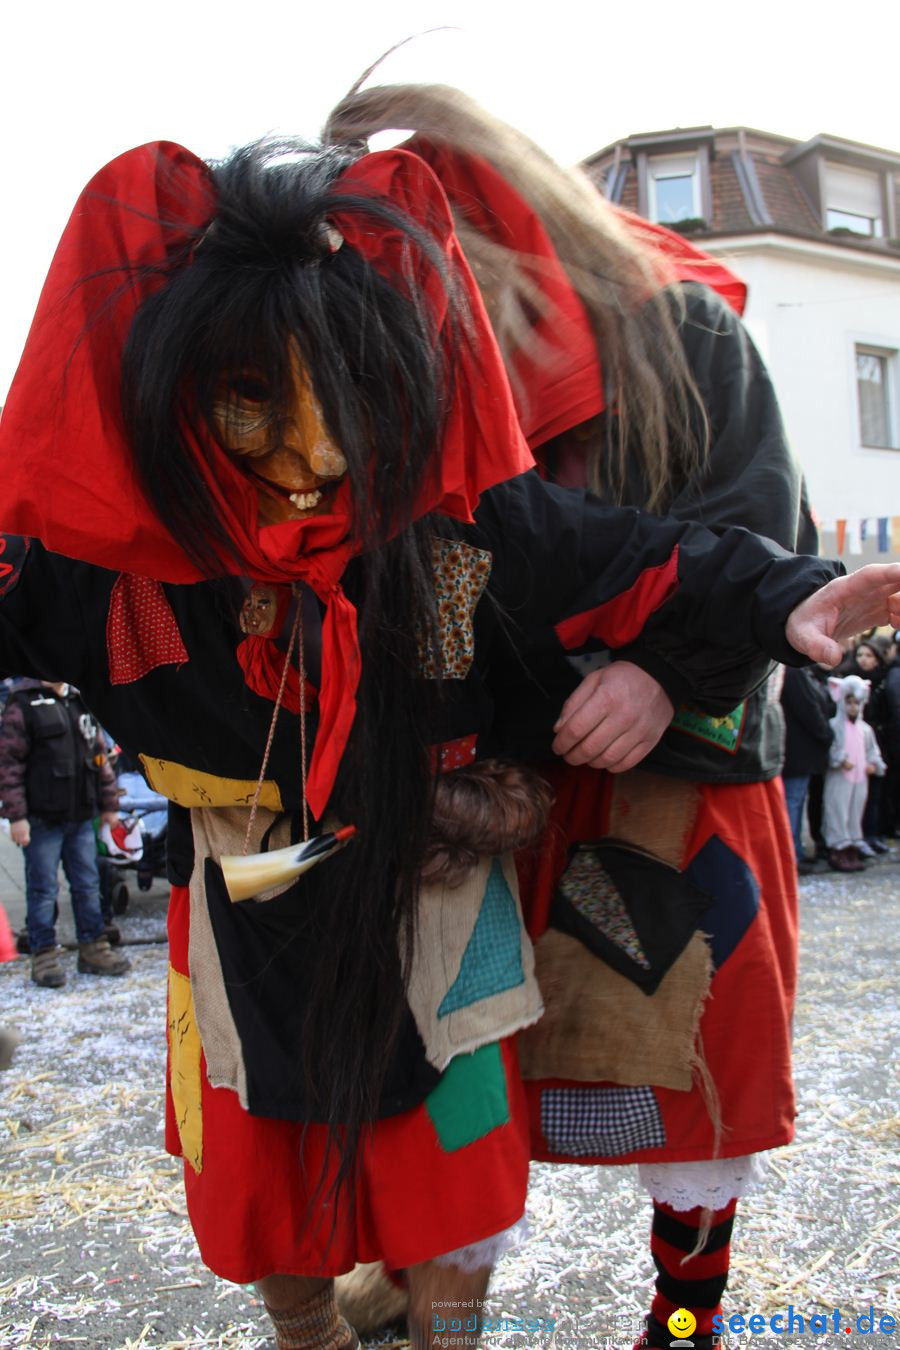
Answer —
470 1100
492 961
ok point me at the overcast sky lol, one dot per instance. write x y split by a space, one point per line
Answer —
83 82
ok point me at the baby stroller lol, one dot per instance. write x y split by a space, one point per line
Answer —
138 841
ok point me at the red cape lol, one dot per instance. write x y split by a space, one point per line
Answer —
66 467
560 383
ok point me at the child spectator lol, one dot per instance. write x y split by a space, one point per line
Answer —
854 758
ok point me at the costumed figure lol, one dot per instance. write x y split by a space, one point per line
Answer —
853 759
333 553
666 892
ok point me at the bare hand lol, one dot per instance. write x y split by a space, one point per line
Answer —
848 605
109 818
20 833
613 719
847 764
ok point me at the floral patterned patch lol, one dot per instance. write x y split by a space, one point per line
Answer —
461 573
590 889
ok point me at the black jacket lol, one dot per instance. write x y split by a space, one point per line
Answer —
750 479
52 757
807 708
565 573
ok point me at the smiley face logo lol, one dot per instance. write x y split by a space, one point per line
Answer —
682 1323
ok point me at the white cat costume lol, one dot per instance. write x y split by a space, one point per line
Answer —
846 789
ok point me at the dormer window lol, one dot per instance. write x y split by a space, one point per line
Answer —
853 201
673 183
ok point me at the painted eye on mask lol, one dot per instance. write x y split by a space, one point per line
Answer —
244 413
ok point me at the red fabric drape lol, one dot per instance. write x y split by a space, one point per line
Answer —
65 463
558 382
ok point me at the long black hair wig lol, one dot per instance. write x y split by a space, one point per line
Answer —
262 277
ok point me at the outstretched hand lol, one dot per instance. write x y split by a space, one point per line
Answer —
845 607
613 719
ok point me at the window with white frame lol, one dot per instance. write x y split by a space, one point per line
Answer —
876 384
674 188
853 200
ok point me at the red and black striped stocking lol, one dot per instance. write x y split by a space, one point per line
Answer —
697 1283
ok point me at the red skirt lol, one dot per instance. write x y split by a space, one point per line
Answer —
258 1206
745 1028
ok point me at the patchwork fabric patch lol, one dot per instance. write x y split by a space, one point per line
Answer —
735 896
141 630
184 1068
470 1100
193 787
589 887
724 732
582 1122
492 960
634 911
461 573
450 755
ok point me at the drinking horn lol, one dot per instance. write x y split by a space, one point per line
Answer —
247 875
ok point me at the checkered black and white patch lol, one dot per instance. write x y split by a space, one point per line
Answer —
610 1121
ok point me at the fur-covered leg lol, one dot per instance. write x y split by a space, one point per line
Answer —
372 1297
456 1294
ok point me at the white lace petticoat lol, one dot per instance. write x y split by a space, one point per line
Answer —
488 1251
709 1184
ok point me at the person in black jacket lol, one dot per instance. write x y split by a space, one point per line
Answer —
807 709
54 778
891 741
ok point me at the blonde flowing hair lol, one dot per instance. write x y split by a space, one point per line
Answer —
621 280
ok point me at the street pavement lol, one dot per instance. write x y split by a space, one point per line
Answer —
96 1250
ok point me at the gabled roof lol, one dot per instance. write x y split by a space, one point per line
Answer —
758 180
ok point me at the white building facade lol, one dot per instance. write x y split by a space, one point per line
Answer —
813 231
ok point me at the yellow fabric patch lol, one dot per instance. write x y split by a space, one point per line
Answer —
184 1068
191 787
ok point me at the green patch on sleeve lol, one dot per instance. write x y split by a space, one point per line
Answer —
470 1100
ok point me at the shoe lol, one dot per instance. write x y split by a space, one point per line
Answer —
98 958
878 845
46 970
855 862
9 1039
864 850
113 934
23 946
805 866
839 860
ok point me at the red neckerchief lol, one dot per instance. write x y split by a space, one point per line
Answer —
560 381
65 463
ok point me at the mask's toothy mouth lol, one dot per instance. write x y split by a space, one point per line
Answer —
306 501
